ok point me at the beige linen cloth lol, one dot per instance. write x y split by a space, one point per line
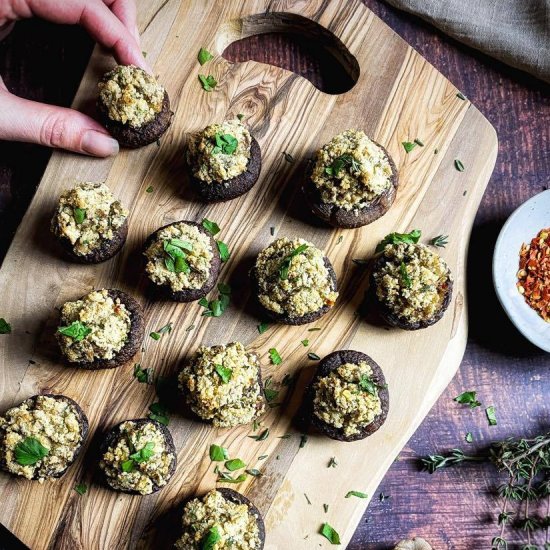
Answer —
516 32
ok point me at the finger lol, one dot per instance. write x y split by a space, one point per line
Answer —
24 120
102 24
126 12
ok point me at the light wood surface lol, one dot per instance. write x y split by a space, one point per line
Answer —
398 97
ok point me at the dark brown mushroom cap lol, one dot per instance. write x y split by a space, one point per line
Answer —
324 368
340 217
133 343
190 294
234 187
106 250
286 319
131 137
82 421
395 320
113 436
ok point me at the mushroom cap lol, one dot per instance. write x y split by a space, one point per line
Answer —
413 544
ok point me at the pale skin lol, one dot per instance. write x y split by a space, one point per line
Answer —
111 23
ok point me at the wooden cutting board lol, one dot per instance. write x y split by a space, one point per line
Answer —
398 97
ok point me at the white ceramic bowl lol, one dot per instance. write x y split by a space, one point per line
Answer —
521 227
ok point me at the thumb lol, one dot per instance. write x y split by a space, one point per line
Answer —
59 127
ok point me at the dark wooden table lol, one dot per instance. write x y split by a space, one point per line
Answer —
455 508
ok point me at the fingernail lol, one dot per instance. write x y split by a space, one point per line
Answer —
98 144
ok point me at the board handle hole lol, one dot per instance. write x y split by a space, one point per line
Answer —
294 43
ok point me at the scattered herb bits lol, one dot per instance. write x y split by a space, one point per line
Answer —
215 308
285 264
288 157
330 533
5 327
254 472
30 451
491 415
234 464
159 413
218 453
440 241
468 398
157 335
76 330
224 373
332 463
305 343
224 477
212 227
262 327
395 238
208 83
408 146
459 165
79 215
262 436
276 359
313 356
357 494
211 539
144 376
81 489
223 249
469 437
149 189
204 56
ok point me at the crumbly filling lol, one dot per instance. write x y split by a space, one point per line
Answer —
130 95
236 527
53 422
88 216
221 385
347 398
412 281
220 152
198 257
138 473
351 170
305 287
108 322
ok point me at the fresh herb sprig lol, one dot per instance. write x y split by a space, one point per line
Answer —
397 238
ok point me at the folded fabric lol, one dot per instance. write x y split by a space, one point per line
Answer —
516 32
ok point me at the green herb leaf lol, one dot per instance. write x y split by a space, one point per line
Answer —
357 494
440 241
128 466
204 56
339 163
234 464
270 394
468 398
418 142
79 215
303 441
262 327
285 264
315 329
224 373
491 415
159 413
149 189
276 359
218 454
208 83
459 165
469 437
226 478
223 250
81 488
305 343
367 385
396 238
408 146
145 453
325 508
211 227
145 376
330 533
76 330
225 143
30 451
332 463
313 356
215 308
404 275
254 472
460 95
5 327
262 436
288 157
240 116
211 538
166 329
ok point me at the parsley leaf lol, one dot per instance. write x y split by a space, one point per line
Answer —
276 359
145 376
285 264
224 251
81 489
357 494
211 538
408 146
159 413
204 56
262 327
234 464
76 330
366 384
30 451
208 83
491 415
79 215
145 453
404 275
162 330
218 453
330 533
262 436
339 163
468 398
224 373
396 238
5 327
225 143
215 308
212 227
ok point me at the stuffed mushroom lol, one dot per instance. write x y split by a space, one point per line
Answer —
225 161
225 518
90 223
411 285
223 385
348 397
352 181
102 330
133 106
294 282
183 261
41 437
138 457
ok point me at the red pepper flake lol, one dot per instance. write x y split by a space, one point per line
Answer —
534 273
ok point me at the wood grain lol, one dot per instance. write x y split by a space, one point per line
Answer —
277 109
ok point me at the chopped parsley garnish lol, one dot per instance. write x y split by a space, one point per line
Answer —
303 441
224 477
79 215
276 359
224 373
440 241
460 95
204 56
144 454
218 453
357 494
159 413
330 533
262 436
212 227
262 327
254 472
5 327
406 280
175 254
288 157
408 146
240 116
418 142
270 393
339 163
307 499
149 189
208 83
325 508
215 308
305 343
459 165
225 143
234 464
366 384
30 451
491 415
211 538
224 251
145 376
81 489
313 356
332 463
396 238
285 264
315 329
76 330
468 398
166 329
469 437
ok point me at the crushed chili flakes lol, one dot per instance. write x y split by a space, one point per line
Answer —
534 273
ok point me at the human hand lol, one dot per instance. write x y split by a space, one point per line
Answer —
112 23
